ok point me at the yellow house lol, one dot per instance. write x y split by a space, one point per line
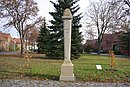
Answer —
6 42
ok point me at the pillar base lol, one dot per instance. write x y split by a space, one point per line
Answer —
67 71
67 78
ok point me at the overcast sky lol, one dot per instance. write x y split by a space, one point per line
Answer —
45 7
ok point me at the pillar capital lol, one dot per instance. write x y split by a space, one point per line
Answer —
67 15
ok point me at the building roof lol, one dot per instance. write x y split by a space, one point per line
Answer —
17 40
4 36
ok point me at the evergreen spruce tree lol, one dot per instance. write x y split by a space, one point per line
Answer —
43 39
57 37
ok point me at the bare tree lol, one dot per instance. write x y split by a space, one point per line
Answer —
127 2
32 36
21 14
90 33
102 16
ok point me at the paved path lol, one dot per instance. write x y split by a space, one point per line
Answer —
118 56
46 83
9 53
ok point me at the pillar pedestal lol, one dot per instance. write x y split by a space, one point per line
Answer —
67 71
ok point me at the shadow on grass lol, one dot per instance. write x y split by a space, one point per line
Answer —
46 58
36 57
111 70
42 76
30 75
11 72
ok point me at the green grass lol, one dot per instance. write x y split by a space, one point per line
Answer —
84 69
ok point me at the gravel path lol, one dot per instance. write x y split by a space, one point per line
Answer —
46 83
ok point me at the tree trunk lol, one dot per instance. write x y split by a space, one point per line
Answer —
34 45
99 46
22 46
128 43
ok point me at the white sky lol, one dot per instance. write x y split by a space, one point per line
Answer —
45 7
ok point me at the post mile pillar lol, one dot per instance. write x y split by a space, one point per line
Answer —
67 66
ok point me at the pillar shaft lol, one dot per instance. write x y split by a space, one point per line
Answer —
67 39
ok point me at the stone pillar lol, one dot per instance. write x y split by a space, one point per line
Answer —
67 66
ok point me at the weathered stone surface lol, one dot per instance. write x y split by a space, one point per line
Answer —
48 83
67 12
67 15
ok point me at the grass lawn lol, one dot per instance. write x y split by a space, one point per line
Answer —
84 69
